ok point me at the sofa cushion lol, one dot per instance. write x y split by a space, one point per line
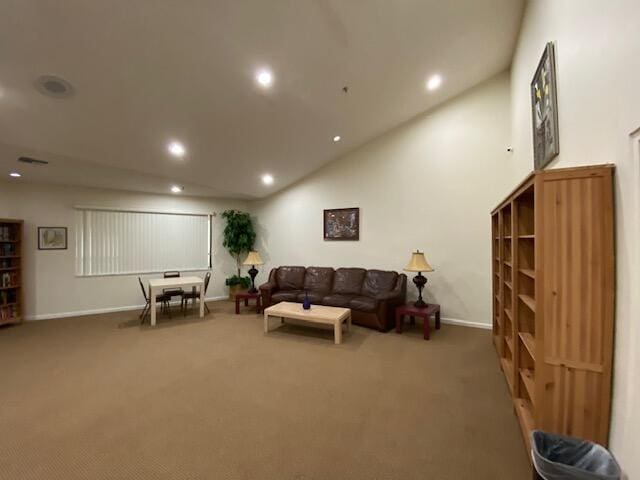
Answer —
337 300
314 297
377 282
318 279
348 281
286 296
363 304
290 278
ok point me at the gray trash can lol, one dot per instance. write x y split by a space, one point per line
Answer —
556 457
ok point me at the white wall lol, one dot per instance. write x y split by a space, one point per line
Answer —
51 287
598 73
428 184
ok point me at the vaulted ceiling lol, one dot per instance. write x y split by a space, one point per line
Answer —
146 72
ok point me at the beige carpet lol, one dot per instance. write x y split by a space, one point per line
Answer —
99 397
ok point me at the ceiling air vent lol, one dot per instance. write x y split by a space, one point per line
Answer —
32 161
54 86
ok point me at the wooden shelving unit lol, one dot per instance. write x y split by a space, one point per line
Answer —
557 225
10 271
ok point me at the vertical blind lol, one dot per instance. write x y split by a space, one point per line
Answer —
124 242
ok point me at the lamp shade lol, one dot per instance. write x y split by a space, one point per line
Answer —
418 263
253 259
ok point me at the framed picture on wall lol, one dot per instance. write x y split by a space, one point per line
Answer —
52 238
544 110
342 224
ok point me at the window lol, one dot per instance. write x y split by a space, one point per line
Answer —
110 242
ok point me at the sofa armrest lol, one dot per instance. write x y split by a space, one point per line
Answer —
268 288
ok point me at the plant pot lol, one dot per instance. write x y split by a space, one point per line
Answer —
234 290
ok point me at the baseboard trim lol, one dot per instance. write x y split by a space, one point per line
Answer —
466 323
80 313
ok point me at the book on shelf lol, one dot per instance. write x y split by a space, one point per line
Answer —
8 279
7 313
5 233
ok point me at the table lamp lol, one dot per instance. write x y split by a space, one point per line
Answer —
419 264
253 259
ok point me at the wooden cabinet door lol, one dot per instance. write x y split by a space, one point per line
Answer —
575 289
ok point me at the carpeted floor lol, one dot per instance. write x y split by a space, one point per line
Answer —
99 397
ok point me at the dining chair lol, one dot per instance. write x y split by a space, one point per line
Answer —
172 292
193 294
162 299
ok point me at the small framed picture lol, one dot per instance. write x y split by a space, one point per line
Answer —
52 238
342 224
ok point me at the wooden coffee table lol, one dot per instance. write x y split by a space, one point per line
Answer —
317 314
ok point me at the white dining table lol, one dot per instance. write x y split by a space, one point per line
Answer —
157 285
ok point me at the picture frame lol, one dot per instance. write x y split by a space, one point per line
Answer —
341 224
544 110
52 238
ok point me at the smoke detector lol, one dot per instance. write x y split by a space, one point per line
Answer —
54 86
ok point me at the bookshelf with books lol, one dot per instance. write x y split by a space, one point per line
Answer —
556 293
11 309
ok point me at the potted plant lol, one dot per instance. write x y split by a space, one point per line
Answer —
238 239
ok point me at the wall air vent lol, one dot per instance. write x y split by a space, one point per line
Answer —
32 161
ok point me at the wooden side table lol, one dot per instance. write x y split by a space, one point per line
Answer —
413 311
246 296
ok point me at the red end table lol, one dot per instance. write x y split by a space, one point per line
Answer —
413 311
246 296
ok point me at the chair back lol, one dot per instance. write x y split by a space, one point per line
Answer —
207 277
171 274
144 292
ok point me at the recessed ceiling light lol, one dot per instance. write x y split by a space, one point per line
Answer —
176 189
267 179
176 149
15 174
264 78
336 138
434 82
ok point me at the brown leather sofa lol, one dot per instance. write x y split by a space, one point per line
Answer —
372 295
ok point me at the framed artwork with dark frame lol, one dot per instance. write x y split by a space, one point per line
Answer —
544 110
342 224
52 238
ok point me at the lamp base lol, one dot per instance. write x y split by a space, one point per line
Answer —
420 303
253 271
420 281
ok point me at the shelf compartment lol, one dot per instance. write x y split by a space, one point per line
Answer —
528 379
524 206
496 343
508 284
509 314
507 368
529 342
10 321
528 272
524 413
528 301
509 342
